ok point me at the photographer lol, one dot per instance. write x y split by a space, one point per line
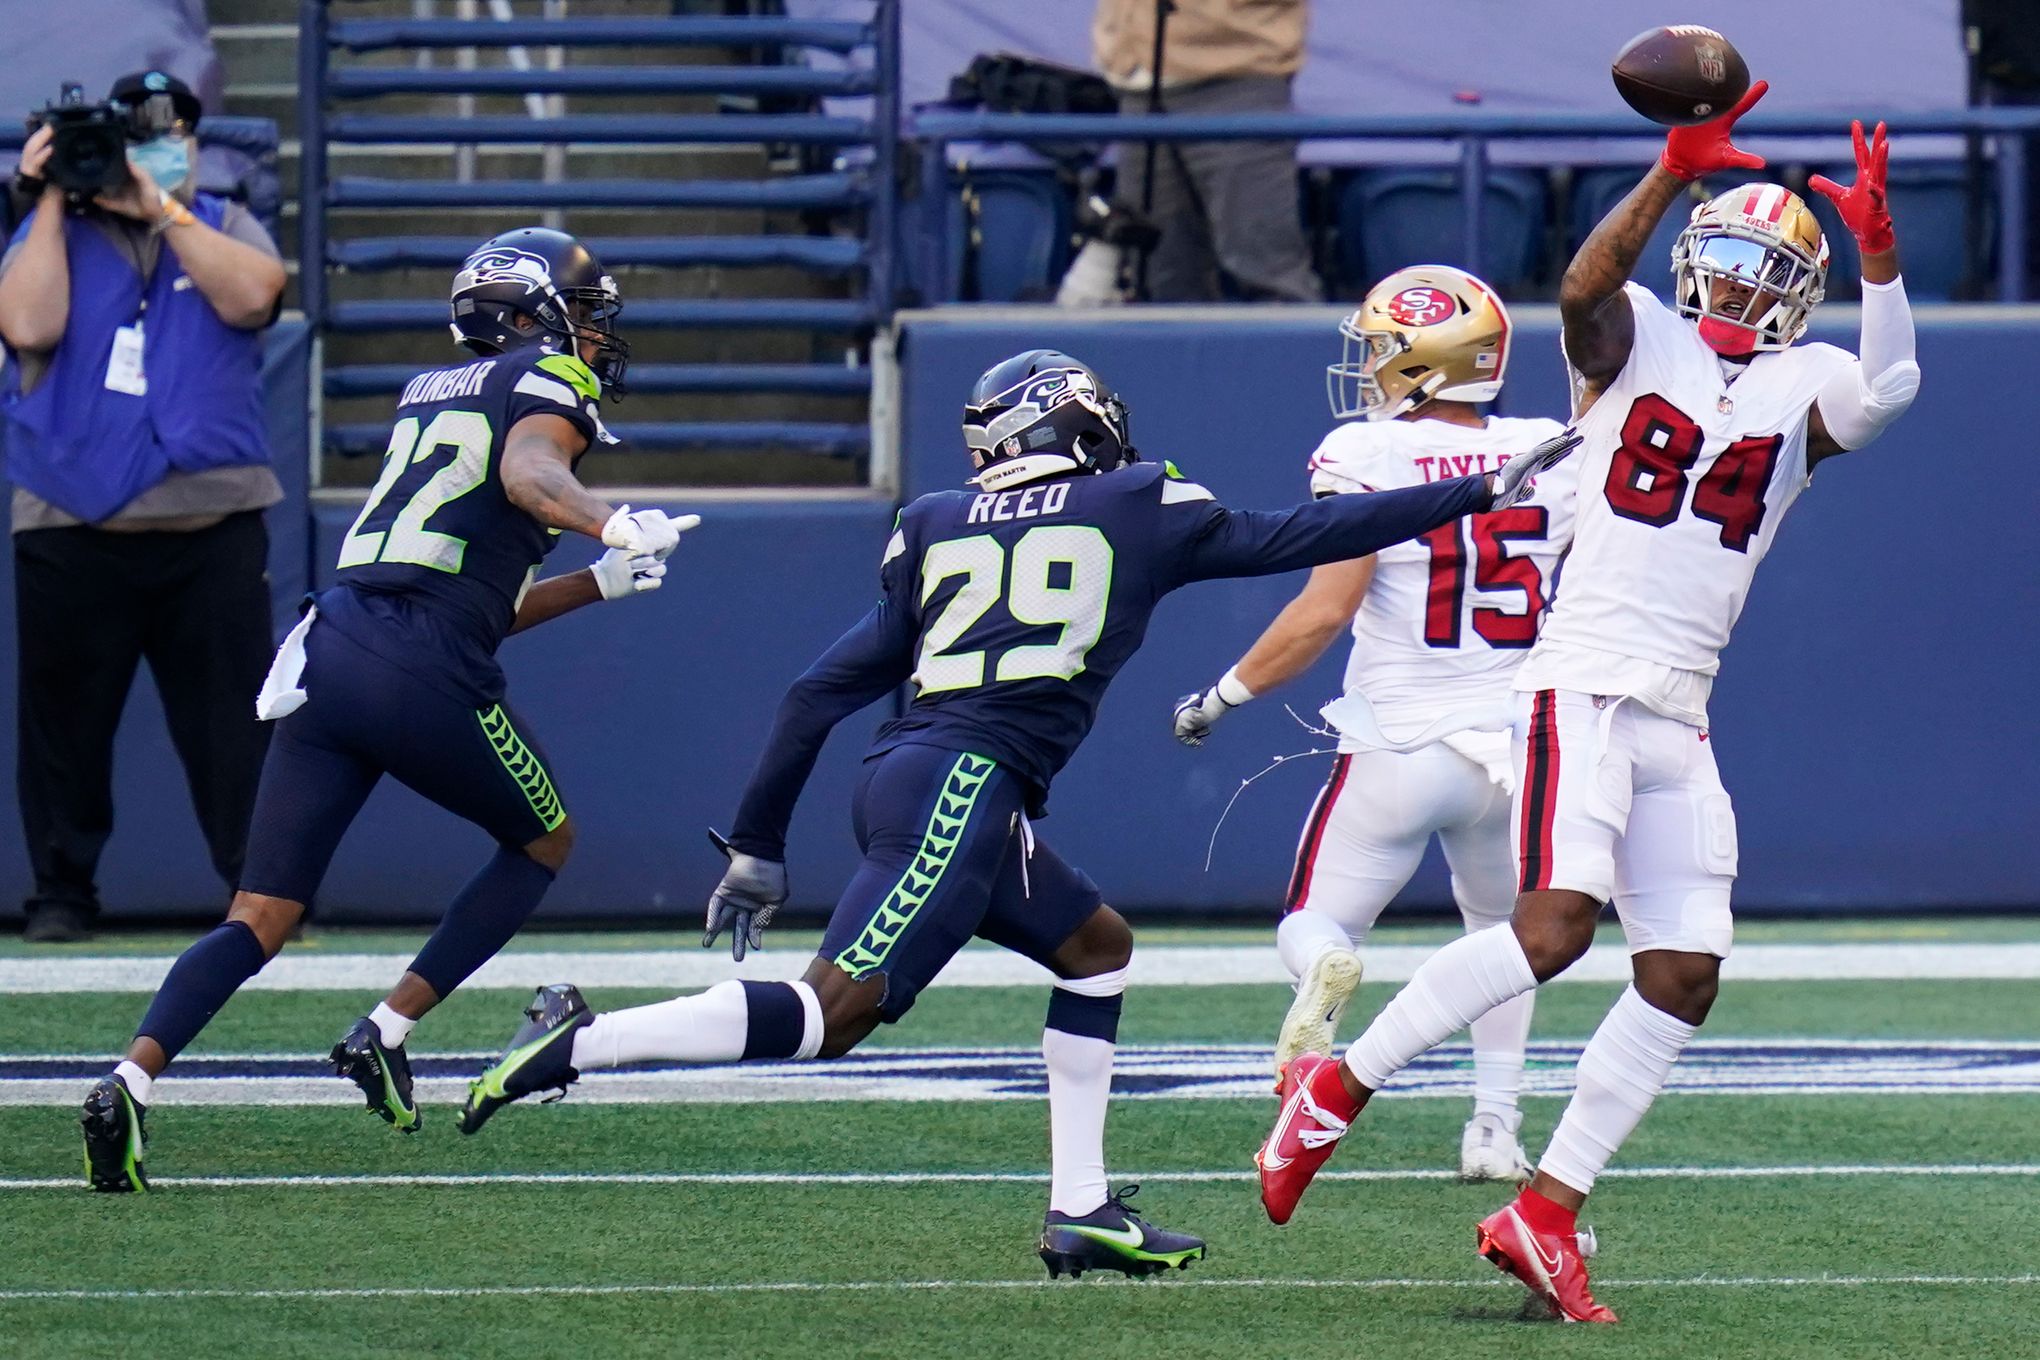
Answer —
133 420
1223 208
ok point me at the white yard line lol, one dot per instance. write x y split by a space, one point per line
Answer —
1163 965
818 1178
916 1286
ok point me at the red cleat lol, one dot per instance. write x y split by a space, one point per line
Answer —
1304 1134
1550 1263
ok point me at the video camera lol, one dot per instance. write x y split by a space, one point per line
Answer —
88 143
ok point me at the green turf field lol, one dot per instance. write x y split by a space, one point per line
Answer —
902 1227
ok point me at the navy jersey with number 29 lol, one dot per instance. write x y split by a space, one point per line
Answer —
1012 611
431 571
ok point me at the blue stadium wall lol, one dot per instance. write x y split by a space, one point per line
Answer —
1874 720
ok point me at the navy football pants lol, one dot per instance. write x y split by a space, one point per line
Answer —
944 861
365 718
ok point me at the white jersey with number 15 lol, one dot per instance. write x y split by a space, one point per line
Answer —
1450 615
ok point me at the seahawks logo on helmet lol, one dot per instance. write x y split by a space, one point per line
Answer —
506 266
1039 414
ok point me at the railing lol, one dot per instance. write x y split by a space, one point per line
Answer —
2006 128
862 195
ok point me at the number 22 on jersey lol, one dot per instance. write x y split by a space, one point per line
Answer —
1056 576
468 435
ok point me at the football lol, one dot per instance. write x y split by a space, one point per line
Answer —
1680 74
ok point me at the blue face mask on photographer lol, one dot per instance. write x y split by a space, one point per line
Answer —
167 159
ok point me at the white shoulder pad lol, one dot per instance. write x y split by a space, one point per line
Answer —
1362 456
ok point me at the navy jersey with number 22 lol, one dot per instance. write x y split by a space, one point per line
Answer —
431 571
1012 611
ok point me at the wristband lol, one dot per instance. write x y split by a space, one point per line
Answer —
175 214
1231 692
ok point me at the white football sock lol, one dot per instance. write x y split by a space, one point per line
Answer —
1498 1039
1304 934
1621 1071
139 1083
1079 1088
1451 989
394 1028
709 1026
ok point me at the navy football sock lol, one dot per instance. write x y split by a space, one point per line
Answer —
483 917
199 983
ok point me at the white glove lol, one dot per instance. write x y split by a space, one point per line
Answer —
1196 714
620 574
646 533
1512 483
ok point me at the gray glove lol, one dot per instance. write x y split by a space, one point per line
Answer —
1512 483
1197 713
751 892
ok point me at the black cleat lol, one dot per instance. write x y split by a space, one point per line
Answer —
540 1056
1113 1237
114 1138
383 1074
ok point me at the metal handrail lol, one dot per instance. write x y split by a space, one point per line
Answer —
1473 129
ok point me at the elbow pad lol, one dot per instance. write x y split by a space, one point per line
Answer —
1860 401
1856 407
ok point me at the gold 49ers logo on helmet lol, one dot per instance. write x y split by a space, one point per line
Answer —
1427 333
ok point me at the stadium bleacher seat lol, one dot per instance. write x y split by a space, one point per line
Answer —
1023 223
1597 190
1927 207
1388 219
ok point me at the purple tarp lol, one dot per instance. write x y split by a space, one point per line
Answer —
1845 57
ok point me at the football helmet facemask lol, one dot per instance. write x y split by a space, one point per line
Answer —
1762 237
1426 333
1042 414
554 280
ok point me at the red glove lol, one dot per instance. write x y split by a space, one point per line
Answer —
1861 205
1691 152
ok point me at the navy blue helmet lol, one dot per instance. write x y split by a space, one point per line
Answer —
554 281
1041 414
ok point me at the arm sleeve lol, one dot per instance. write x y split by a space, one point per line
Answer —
869 661
1225 543
1857 403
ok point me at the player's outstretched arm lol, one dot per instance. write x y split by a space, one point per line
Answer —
871 660
1858 403
1287 648
1598 325
1228 543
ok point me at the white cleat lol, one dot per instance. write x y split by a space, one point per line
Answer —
1490 1151
1322 994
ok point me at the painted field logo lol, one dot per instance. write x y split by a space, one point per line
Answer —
1801 1067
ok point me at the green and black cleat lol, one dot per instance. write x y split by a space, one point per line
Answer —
115 1137
540 1056
1113 1237
383 1073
